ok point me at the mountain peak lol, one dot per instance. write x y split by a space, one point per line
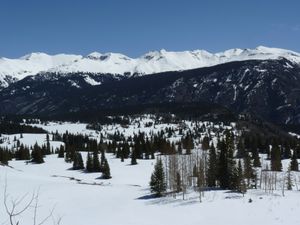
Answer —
34 55
94 55
149 63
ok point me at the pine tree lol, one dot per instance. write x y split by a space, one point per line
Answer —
232 170
157 183
248 169
256 161
286 152
133 157
205 143
89 163
78 162
22 153
61 152
223 174
96 162
37 155
294 163
276 158
240 149
240 178
212 167
106 170
48 148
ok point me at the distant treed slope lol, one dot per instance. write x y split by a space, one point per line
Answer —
269 89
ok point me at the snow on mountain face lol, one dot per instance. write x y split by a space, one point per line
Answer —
114 63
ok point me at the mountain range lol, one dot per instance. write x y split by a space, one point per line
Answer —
12 70
264 82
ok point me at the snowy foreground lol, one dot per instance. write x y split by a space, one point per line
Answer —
81 198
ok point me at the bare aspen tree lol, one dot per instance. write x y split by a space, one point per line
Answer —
15 208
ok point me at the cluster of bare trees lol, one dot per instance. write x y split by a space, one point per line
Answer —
271 181
185 171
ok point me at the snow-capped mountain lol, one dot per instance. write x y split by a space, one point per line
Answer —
12 70
267 89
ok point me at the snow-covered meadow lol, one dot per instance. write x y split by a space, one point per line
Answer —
82 198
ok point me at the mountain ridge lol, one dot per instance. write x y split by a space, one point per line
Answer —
268 89
12 70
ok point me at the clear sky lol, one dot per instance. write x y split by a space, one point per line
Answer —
134 27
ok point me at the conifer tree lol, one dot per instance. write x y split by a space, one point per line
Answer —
232 170
37 155
48 148
212 167
96 162
133 157
294 163
240 149
240 179
61 152
157 183
106 170
223 174
276 158
286 152
78 162
22 153
248 169
89 163
256 161
205 143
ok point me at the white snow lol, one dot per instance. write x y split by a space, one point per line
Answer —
124 199
115 63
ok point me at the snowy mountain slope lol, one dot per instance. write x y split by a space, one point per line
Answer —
268 89
153 62
16 69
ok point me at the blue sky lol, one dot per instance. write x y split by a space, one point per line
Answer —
134 27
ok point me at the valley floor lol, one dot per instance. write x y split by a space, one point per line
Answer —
80 198
125 198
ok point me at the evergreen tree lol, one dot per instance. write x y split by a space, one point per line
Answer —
188 144
61 152
48 148
96 162
294 163
240 179
212 167
78 162
248 169
240 149
276 158
89 163
287 151
133 157
37 155
157 183
223 174
106 170
22 153
256 161
178 182
179 149
232 170
205 143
